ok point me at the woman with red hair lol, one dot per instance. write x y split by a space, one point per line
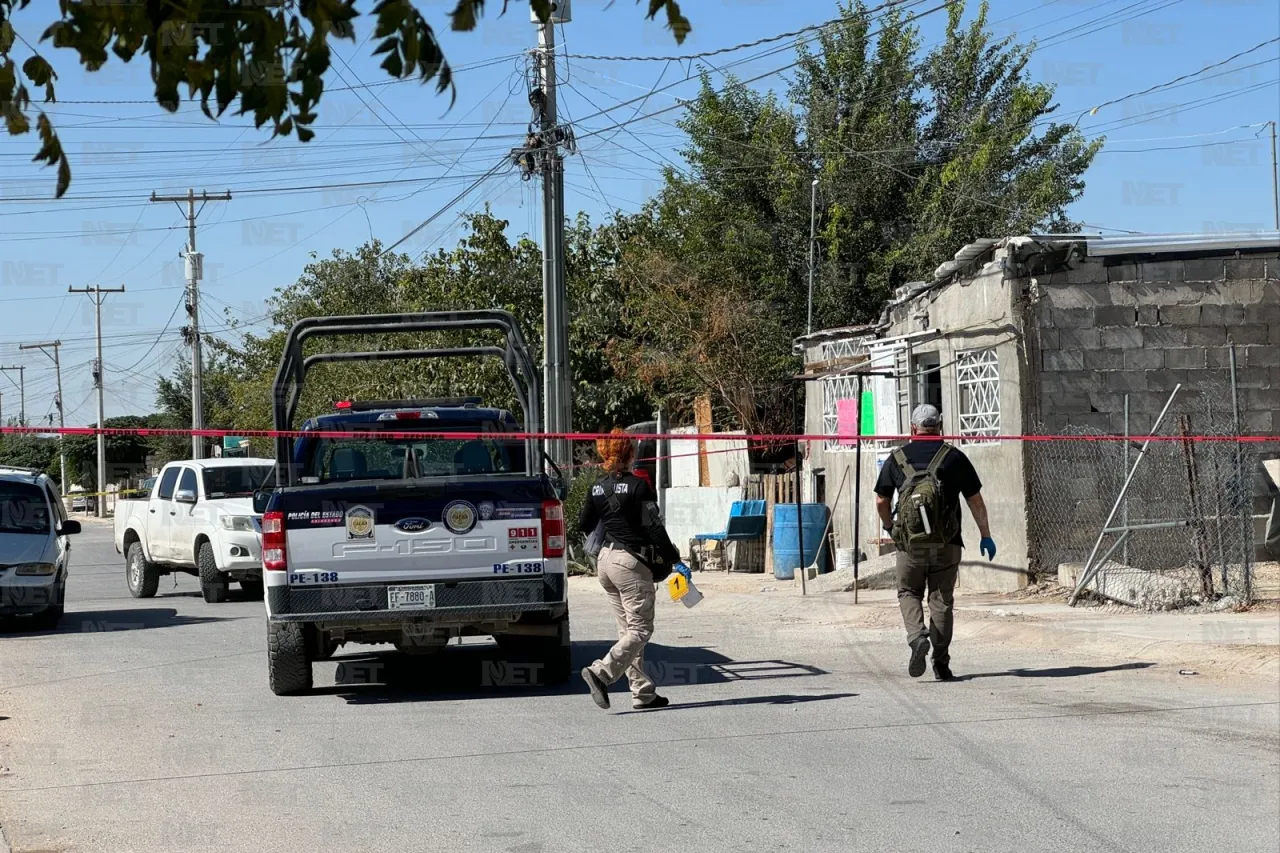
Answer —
636 554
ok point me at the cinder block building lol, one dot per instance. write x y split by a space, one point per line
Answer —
1077 336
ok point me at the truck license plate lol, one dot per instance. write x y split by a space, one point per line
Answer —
411 597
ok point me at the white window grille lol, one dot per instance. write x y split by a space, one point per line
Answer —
835 389
841 348
978 384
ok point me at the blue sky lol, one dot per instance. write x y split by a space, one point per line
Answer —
1212 170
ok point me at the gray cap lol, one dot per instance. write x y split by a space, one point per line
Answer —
926 416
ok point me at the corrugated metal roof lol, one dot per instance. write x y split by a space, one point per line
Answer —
1155 244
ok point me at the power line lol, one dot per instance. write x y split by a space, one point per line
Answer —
1165 85
691 56
450 203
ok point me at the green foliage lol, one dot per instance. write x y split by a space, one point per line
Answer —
82 450
486 269
269 55
915 155
30 451
173 405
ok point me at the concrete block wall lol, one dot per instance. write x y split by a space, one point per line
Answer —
1107 329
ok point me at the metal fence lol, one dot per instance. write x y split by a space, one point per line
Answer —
1184 532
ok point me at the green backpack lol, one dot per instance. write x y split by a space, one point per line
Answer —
924 516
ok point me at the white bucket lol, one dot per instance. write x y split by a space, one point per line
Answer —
844 559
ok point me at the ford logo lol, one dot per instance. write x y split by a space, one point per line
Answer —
412 525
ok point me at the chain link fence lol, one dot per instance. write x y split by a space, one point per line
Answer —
1185 531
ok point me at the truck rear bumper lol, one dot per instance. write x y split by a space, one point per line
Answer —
455 602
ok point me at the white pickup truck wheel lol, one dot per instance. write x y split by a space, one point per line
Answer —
213 583
288 666
252 588
143 578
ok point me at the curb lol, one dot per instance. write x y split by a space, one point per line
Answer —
1023 632
1248 660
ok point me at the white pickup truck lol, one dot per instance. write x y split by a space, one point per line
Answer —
198 520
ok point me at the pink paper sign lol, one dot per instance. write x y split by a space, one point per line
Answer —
847 420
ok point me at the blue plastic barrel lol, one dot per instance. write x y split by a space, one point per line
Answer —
786 547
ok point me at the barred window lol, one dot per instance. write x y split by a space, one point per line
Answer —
978 387
834 390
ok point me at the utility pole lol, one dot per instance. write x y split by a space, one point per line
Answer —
195 272
22 391
98 293
558 397
57 401
1275 179
813 211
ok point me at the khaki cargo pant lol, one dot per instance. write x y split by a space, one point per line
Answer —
934 568
629 585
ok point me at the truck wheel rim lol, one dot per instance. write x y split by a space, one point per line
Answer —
135 572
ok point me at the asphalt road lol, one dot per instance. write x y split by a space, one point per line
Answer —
148 725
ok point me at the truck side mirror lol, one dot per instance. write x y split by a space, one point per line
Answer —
260 500
69 527
185 496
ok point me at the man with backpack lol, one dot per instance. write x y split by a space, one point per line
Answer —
929 477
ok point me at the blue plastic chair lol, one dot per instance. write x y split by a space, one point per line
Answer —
747 520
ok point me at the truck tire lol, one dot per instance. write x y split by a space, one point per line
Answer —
557 657
252 588
141 575
213 583
554 654
288 666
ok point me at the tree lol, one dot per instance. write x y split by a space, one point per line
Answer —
271 56
173 405
30 451
486 269
691 335
82 450
917 155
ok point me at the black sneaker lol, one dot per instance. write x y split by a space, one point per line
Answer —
655 702
599 690
919 651
942 672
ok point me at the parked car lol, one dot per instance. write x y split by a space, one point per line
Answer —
33 547
197 520
140 493
81 501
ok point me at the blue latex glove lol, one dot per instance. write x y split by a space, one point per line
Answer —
988 547
682 569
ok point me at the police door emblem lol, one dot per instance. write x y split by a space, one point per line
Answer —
360 523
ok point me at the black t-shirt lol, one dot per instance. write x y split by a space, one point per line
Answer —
956 474
625 527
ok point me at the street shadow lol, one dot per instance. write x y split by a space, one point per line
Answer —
484 671
1056 672
99 621
783 699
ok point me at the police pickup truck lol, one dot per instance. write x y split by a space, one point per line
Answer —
411 522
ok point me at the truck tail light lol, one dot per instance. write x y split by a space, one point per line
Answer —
552 529
274 555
